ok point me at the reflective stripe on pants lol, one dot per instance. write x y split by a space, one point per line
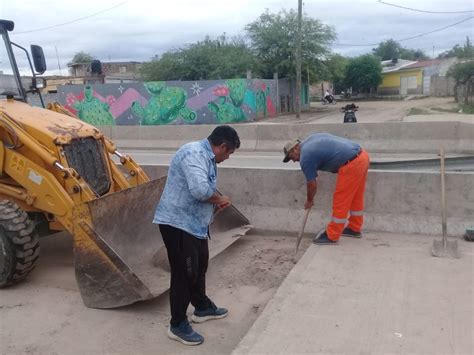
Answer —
349 196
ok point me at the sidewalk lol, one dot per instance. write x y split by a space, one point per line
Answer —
384 294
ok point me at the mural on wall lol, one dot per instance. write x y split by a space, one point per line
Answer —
171 102
165 105
92 110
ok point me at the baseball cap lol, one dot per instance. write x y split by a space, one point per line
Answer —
289 146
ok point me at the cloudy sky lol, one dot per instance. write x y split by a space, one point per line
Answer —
121 30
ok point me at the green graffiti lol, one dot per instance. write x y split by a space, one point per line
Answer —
93 111
261 102
250 100
226 112
237 91
257 101
166 104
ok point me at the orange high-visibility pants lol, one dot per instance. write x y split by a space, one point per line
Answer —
348 198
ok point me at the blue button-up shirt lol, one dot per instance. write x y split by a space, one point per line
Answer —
191 181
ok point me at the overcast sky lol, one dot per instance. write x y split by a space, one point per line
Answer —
136 30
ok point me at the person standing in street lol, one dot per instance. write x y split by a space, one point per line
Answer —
326 152
184 213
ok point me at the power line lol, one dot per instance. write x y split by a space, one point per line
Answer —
76 20
437 30
425 11
407 38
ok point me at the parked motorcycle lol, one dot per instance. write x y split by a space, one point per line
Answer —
349 113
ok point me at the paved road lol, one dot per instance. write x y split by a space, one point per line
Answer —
378 111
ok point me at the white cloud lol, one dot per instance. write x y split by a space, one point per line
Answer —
139 29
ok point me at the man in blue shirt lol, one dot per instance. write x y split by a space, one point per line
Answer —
323 151
184 213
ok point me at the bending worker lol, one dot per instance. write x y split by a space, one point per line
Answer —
323 151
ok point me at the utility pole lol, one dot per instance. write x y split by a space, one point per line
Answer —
298 60
57 57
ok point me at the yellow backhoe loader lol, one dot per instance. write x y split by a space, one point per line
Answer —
57 174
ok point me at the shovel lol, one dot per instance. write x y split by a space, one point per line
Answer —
444 248
298 240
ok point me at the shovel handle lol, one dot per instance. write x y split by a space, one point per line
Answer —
443 195
298 240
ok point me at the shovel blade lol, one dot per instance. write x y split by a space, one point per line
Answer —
126 259
450 250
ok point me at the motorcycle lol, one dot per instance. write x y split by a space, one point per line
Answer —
328 99
349 113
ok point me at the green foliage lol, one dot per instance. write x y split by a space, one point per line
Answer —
417 111
391 49
363 73
466 51
274 40
204 60
168 67
81 58
387 50
413 54
272 49
462 72
467 109
335 71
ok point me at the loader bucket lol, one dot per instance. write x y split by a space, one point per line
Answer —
127 260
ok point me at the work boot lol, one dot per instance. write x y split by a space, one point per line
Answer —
185 334
212 312
347 232
322 238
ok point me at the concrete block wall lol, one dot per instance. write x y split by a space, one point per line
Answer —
396 201
406 137
442 86
171 102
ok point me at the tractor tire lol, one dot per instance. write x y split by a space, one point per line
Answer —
19 244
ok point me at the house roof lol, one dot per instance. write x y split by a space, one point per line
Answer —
71 65
120 63
388 66
424 63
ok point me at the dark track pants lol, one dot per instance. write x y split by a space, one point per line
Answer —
188 257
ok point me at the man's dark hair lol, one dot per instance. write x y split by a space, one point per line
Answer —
225 134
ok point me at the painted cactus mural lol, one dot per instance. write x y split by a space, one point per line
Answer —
237 89
172 102
226 112
165 105
92 110
261 102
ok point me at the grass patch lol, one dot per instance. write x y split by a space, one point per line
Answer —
468 109
417 111
442 109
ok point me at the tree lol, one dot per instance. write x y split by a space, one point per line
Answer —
391 49
204 60
335 71
464 52
363 73
81 58
273 40
168 67
463 73
412 54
